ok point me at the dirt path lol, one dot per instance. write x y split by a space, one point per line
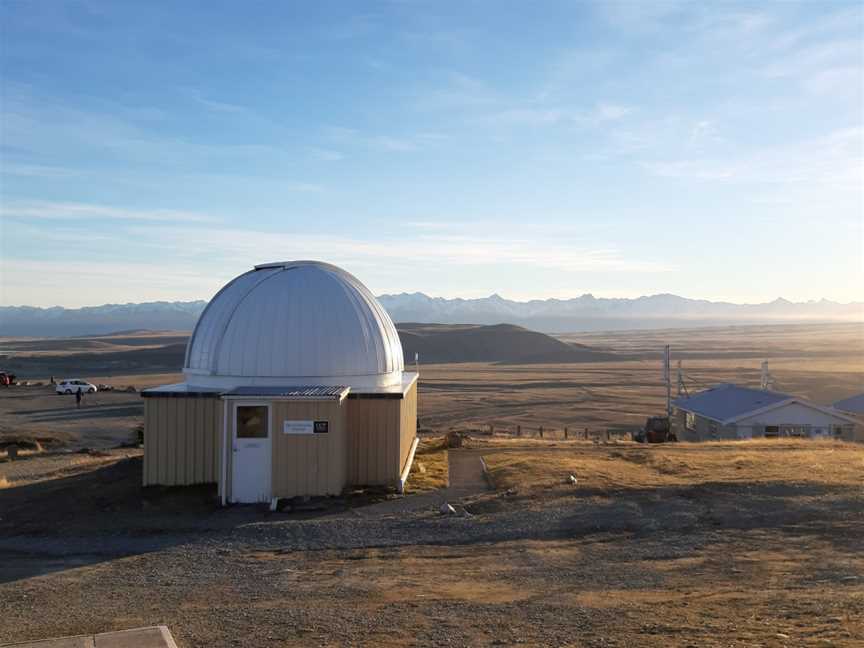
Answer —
466 475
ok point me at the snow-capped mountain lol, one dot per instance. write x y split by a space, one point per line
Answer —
91 320
548 315
591 313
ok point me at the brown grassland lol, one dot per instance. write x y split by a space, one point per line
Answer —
821 362
740 544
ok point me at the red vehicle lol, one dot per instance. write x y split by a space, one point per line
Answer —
6 378
656 430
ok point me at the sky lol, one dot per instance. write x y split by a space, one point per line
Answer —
153 151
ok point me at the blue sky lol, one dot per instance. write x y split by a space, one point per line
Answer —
152 151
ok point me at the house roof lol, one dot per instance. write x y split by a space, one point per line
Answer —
304 392
853 404
727 403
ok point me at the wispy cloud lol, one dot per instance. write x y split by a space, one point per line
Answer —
40 282
326 155
74 210
704 133
455 91
220 106
834 160
38 170
429 251
540 114
390 143
610 112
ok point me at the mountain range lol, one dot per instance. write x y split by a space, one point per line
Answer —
585 313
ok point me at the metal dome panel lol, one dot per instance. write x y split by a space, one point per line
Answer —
289 322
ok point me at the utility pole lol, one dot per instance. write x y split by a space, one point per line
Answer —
682 388
767 378
667 377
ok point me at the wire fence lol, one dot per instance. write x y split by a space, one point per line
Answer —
566 433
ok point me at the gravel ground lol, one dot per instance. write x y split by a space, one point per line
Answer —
708 564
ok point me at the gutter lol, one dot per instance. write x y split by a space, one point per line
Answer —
400 487
224 452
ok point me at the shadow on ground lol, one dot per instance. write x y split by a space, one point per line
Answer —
87 411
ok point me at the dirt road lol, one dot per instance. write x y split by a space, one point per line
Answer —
104 419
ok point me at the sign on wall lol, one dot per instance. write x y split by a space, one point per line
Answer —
305 427
298 427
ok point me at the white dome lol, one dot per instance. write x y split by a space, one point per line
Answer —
293 323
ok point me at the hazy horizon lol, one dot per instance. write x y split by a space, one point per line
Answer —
152 152
444 297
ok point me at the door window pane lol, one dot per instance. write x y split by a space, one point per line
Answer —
251 422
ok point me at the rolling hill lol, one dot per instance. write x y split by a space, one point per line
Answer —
504 343
154 352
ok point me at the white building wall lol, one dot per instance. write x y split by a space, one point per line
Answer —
793 414
813 421
806 420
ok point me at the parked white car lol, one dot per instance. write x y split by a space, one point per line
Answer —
72 385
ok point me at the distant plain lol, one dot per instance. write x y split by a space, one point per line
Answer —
823 362
716 544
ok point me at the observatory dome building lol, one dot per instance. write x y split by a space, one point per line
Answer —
294 385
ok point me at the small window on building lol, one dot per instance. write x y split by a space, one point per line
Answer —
772 430
712 430
690 421
251 422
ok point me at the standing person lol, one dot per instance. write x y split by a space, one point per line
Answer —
52 380
78 396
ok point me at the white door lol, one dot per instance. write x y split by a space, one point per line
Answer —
250 471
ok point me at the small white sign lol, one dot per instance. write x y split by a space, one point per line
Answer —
298 427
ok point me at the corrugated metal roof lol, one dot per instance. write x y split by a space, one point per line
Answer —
303 392
180 390
728 401
853 404
295 319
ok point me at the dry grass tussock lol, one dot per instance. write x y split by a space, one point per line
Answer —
36 449
631 466
431 467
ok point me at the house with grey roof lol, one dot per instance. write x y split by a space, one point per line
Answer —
853 405
730 411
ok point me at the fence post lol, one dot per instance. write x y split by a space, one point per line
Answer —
541 431
519 430
586 434
565 432
607 434
491 430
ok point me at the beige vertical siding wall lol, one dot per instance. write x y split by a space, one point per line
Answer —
308 464
373 440
408 425
380 434
368 443
182 441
